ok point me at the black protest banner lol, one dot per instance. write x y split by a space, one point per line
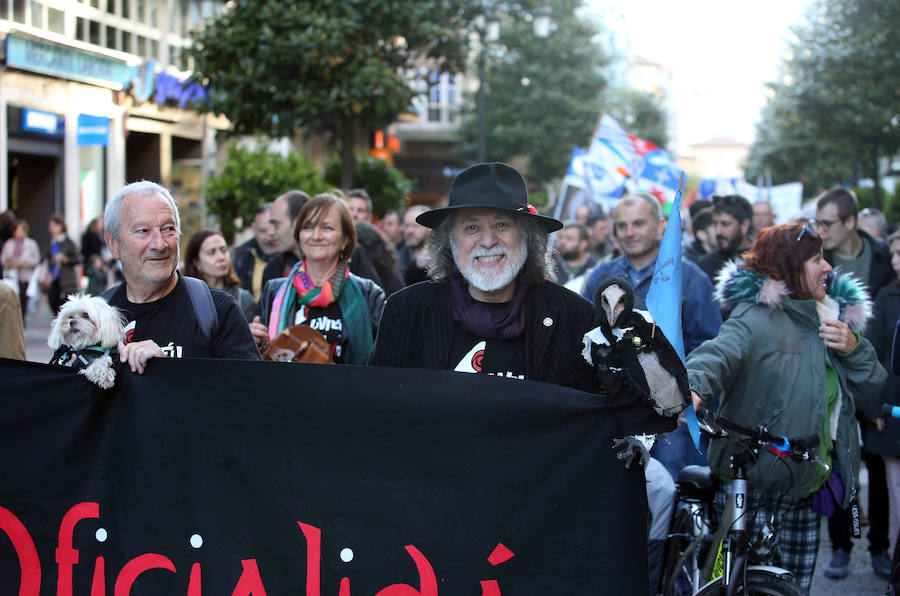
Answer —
212 477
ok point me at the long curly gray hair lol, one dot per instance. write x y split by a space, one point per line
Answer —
538 262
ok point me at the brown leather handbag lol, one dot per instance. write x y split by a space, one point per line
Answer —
300 343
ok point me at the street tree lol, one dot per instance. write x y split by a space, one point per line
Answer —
253 176
840 83
387 186
275 67
788 147
543 95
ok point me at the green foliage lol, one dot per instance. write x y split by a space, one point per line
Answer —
890 203
386 185
253 177
836 104
559 106
538 198
790 148
639 112
273 67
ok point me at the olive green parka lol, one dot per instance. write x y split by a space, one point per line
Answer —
768 366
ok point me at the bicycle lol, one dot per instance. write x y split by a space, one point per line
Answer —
740 559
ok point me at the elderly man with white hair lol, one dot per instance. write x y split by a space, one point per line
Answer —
488 307
168 315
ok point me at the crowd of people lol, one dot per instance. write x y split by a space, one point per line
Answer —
787 325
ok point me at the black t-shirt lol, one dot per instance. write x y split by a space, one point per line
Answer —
500 357
328 321
172 324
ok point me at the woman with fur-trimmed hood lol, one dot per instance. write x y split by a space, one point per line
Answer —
791 357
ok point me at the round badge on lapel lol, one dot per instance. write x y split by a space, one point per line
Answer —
547 321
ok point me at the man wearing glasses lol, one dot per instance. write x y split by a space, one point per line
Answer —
846 245
852 250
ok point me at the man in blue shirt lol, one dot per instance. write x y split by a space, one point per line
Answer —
638 227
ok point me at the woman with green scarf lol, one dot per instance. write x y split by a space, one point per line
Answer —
320 291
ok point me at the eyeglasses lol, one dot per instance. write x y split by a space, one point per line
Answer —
806 230
826 224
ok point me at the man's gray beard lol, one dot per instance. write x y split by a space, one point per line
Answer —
490 283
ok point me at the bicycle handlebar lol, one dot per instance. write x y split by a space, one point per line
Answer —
803 447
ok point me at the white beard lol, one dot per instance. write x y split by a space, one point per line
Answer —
489 282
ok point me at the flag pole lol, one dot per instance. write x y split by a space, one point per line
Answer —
664 298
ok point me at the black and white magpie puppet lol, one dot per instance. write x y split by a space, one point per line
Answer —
630 355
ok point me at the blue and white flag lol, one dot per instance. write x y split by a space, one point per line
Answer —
659 176
613 144
664 297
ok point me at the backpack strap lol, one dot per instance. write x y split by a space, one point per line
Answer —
108 292
204 308
202 303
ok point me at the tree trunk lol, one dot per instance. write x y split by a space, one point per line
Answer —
348 152
876 179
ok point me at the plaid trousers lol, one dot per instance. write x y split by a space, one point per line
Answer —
796 525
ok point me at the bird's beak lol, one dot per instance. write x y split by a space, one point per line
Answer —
612 301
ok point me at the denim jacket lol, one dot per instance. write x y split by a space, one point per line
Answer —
700 315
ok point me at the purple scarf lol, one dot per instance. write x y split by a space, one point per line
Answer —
504 320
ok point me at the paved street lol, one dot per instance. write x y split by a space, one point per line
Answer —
37 329
861 581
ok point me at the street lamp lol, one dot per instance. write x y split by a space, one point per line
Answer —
541 16
489 31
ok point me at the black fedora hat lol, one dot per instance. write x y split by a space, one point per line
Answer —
489 186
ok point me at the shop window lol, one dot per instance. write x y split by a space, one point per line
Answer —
126 42
19 11
4 9
37 11
111 41
56 21
141 45
154 49
94 31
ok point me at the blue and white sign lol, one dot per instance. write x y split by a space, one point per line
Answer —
92 131
170 87
42 122
37 56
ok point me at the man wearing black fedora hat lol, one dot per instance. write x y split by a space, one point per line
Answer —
488 307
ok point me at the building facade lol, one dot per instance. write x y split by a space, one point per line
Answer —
93 95
428 134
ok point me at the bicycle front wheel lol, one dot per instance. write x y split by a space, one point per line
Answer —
758 583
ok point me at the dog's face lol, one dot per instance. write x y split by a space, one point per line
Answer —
86 321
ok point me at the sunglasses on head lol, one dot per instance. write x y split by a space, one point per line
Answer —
804 231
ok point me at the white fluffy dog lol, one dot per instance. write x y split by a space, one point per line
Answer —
84 334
